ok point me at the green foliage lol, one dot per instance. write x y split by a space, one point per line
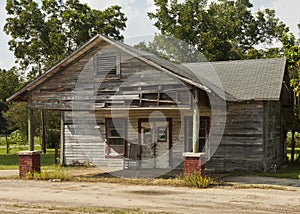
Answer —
9 83
172 49
16 117
297 139
43 34
18 138
196 179
292 52
222 30
53 138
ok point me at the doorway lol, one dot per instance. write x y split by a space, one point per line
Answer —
155 140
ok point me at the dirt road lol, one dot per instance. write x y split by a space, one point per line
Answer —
21 196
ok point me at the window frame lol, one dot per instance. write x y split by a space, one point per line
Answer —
186 135
108 154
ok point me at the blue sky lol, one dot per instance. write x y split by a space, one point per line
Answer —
139 25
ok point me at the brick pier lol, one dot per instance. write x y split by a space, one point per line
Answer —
193 162
29 162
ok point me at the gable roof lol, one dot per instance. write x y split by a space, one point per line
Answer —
241 80
256 79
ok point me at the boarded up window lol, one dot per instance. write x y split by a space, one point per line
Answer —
106 65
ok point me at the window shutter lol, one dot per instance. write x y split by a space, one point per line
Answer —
106 65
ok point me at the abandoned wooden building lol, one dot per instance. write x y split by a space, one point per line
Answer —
117 103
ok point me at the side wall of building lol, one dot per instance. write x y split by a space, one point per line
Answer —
242 145
274 135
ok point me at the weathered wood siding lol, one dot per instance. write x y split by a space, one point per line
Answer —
274 135
80 86
85 142
242 146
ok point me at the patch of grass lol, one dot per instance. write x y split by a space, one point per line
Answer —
71 209
55 173
258 186
291 171
10 161
196 180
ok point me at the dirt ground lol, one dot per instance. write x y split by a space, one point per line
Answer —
23 196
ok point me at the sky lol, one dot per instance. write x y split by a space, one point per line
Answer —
140 26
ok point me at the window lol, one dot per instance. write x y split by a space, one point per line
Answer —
162 134
106 65
203 133
116 137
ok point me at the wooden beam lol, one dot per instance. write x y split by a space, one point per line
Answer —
196 120
30 130
62 139
43 132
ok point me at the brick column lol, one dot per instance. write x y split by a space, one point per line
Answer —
29 162
193 162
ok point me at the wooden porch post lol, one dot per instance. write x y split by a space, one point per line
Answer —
30 130
62 139
196 119
43 132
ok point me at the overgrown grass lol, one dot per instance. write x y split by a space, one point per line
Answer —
194 180
54 173
197 180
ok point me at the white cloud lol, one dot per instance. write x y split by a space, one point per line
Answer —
288 12
6 57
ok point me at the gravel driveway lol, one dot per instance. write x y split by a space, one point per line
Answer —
23 196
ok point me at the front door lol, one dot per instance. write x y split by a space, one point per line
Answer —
155 143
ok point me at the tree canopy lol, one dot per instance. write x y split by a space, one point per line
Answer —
9 83
222 30
42 34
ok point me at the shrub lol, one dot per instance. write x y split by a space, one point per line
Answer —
196 179
18 138
53 137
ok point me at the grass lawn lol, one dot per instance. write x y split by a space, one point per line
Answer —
291 171
10 161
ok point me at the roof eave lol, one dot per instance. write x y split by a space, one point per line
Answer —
22 92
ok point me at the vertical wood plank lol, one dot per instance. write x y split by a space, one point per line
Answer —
30 130
62 139
43 132
196 120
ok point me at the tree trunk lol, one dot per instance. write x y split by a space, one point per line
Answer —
7 144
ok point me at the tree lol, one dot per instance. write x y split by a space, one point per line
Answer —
292 52
43 35
223 30
9 83
172 49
